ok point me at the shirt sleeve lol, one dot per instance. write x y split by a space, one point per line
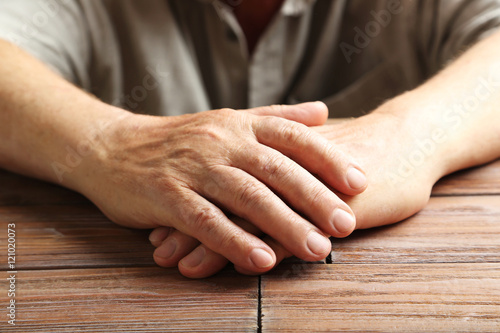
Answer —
54 31
446 28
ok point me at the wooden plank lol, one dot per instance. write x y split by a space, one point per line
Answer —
65 236
383 298
448 229
20 190
480 180
132 300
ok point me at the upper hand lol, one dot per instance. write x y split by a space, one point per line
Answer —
184 172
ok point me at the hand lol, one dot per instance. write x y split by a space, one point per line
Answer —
400 174
182 172
383 145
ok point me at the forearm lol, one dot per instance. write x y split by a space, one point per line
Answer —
47 126
455 116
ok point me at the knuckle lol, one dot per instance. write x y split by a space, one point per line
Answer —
225 112
274 167
230 240
330 153
207 222
294 133
251 194
278 109
209 124
205 219
211 190
317 197
210 132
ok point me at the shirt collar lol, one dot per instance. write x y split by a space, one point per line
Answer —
296 7
289 8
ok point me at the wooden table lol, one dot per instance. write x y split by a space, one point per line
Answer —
77 271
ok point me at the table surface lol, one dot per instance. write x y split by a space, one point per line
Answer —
438 271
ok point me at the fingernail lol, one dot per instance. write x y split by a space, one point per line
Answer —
194 258
167 249
320 105
356 178
261 258
343 221
158 236
317 243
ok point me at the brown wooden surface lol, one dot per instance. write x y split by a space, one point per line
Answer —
482 180
448 230
135 299
437 271
77 235
383 297
17 190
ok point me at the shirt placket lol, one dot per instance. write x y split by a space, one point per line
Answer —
266 68
278 54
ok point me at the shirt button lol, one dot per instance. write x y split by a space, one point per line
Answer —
231 35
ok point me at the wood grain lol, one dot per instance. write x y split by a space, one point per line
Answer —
133 300
64 236
383 298
19 190
480 180
449 229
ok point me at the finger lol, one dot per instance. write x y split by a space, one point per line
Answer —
309 114
281 254
175 247
255 202
204 221
313 152
201 263
158 235
211 261
301 190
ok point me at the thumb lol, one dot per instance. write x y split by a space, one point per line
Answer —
309 114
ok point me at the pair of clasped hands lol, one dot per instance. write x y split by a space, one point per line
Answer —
251 186
258 175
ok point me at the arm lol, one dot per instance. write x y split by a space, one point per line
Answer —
458 109
145 171
47 125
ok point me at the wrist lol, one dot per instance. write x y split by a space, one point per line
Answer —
87 146
428 143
